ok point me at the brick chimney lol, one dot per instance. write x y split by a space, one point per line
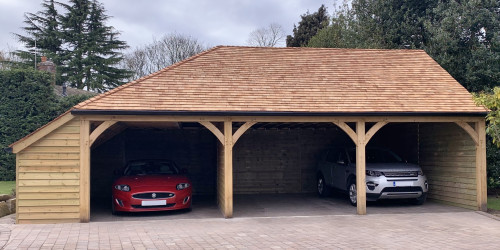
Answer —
48 66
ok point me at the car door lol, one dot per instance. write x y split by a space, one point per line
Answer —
339 169
326 165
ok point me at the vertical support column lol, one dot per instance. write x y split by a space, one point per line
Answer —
481 182
84 170
17 189
228 169
360 168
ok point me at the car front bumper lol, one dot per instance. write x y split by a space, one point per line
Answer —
125 201
382 187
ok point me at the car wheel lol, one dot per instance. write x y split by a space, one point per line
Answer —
420 200
323 189
113 210
353 197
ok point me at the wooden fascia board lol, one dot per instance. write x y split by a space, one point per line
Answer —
163 118
37 135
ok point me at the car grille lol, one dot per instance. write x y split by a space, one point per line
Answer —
402 189
401 174
160 206
153 195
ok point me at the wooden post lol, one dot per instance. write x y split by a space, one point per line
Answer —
481 182
228 169
360 168
84 170
17 189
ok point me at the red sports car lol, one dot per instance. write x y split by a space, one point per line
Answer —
151 185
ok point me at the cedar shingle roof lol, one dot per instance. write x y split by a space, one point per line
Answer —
257 79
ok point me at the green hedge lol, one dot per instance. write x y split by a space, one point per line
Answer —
27 101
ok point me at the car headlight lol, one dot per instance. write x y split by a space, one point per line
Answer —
373 173
182 186
124 188
420 172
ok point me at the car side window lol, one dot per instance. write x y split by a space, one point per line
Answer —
333 156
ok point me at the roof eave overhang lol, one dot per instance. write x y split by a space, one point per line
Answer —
268 113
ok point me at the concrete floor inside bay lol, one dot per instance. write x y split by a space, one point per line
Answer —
273 205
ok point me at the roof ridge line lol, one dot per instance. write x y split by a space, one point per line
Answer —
126 85
318 48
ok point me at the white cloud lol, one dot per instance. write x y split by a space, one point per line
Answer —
212 22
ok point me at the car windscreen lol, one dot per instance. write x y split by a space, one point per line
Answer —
375 155
151 168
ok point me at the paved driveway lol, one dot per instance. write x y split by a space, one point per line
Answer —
452 230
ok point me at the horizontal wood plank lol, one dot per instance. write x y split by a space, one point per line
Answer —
49 189
51 163
68 130
49 209
37 203
49 176
47 196
48 216
49 169
59 136
56 150
57 143
48 182
47 221
48 156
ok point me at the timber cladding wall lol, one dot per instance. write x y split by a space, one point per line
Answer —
447 157
280 161
48 176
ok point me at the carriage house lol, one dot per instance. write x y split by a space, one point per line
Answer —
247 120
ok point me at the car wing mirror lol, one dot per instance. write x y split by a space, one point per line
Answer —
184 171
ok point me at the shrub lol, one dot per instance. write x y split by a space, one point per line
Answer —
27 102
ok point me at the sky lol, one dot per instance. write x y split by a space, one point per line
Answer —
211 22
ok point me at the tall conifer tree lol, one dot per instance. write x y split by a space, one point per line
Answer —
92 50
42 29
85 50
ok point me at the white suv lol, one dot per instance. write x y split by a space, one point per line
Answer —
387 175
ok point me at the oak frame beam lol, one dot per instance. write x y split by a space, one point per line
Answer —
99 130
360 169
228 170
373 130
481 181
241 130
348 130
84 170
473 133
210 126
